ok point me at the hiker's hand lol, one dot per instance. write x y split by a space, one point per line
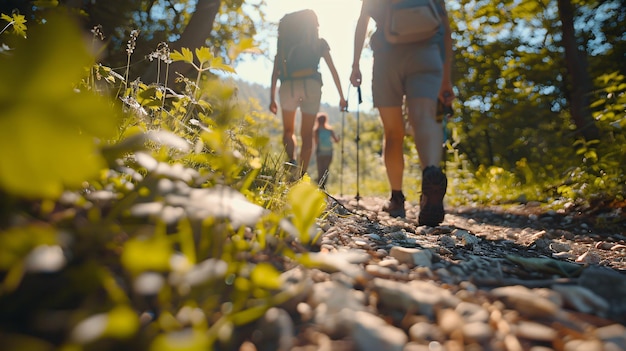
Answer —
273 107
355 77
343 104
446 94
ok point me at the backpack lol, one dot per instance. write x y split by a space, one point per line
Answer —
298 50
411 21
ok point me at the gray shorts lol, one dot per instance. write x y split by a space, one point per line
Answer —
303 93
406 70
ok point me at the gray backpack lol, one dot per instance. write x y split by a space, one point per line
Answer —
411 21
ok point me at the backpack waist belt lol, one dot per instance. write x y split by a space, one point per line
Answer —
303 73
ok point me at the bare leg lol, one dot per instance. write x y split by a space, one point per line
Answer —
306 133
289 136
393 152
428 133
429 142
323 163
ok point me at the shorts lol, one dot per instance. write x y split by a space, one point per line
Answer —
413 71
323 152
303 93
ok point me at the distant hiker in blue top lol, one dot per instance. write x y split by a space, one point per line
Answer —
324 138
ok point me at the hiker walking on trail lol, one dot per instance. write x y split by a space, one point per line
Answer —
296 64
412 65
324 138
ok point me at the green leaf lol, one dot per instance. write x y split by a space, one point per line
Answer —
185 340
265 276
204 55
18 24
217 63
186 55
245 45
597 103
250 315
148 97
122 322
147 254
307 203
49 128
205 105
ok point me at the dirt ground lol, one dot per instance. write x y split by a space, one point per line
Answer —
543 280
589 236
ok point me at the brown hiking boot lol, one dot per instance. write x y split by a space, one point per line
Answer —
434 184
395 207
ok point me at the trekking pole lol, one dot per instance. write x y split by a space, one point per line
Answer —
357 139
343 123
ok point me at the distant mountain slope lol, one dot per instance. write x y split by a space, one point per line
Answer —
246 91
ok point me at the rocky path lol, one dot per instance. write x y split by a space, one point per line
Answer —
486 279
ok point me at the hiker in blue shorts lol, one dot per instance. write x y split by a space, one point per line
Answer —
324 138
412 70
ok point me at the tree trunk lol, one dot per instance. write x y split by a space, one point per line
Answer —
489 148
579 81
195 35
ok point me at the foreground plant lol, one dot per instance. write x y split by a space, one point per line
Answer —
137 225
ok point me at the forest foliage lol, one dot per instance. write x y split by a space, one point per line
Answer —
100 168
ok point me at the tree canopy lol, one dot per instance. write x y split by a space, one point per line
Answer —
522 89
218 24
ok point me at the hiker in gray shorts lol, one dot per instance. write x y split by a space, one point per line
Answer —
414 76
296 65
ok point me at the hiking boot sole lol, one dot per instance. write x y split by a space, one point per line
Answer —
431 215
434 184
396 213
